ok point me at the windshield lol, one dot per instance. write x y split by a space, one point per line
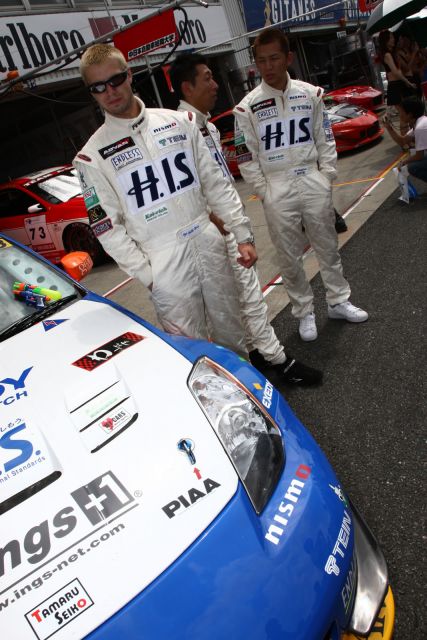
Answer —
59 188
27 287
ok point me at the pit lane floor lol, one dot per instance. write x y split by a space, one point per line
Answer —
369 415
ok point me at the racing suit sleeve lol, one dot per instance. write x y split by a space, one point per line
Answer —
220 194
324 139
107 223
247 147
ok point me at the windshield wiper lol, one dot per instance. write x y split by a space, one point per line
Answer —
34 318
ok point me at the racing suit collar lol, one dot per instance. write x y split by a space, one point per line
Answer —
277 92
202 119
134 124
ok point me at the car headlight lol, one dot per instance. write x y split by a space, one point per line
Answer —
247 432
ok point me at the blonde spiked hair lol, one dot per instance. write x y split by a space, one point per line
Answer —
99 53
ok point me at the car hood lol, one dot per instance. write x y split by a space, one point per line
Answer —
93 406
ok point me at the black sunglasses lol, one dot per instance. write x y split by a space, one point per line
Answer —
114 81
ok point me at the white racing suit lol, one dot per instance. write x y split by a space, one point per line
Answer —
285 148
253 308
147 185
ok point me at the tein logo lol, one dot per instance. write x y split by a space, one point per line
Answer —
59 609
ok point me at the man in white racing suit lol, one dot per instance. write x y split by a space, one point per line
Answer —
285 148
147 179
194 84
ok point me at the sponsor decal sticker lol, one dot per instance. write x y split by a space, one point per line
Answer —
119 145
264 104
349 586
339 493
286 133
192 496
82 180
167 141
340 546
12 390
87 511
267 395
96 215
91 198
51 324
288 504
4 244
102 227
150 216
138 123
298 96
301 107
149 184
61 608
109 350
164 127
267 114
126 157
114 421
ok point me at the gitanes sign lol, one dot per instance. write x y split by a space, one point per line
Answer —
28 42
264 13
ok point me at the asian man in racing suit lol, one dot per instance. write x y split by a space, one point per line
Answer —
285 148
193 83
148 179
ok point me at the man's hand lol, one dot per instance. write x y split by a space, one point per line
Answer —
248 254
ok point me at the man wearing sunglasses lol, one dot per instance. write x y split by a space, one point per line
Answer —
194 85
148 180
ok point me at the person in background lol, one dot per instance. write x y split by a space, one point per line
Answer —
407 54
398 84
413 110
286 150
195 86
148 178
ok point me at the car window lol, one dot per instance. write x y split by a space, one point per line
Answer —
59 188
14 202
19 268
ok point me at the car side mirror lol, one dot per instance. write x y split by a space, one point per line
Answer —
35 208
77 264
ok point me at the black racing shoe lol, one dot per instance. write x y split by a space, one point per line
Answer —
295 372
258 361
340 225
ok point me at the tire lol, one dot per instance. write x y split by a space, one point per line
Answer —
80 237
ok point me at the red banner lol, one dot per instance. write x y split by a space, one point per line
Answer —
368 5
147 36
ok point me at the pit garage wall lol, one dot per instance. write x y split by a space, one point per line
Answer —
46 122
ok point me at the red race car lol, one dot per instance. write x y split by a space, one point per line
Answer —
360 95
46 211
352 126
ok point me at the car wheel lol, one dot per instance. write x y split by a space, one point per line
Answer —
79 237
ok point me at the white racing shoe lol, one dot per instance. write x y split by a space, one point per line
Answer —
347 311
307 328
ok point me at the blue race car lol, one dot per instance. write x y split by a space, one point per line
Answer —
153 486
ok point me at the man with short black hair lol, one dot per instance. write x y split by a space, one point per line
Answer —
194 84
285 148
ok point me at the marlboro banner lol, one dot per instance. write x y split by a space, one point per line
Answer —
148 36
368 5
